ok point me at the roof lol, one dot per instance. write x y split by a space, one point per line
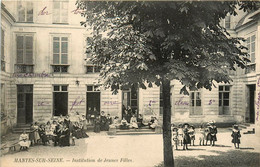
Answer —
249 17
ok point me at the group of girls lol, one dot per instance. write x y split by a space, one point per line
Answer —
58 131
185 134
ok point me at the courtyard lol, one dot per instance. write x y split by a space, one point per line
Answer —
139 151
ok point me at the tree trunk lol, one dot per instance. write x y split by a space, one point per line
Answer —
167 136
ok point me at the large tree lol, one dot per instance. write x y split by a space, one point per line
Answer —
143 44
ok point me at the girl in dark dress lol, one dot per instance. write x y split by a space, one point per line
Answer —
186 136
212 135
42 134
236 136
65 136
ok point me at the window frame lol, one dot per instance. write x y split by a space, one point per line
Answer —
59 65
193 103
60 10
222 100
249 43
24 4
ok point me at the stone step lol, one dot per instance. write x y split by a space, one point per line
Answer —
135 133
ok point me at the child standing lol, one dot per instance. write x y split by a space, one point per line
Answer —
175 137
180 134
202 134
186 136
192 134
236 136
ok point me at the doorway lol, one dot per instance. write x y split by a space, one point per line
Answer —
24 104
93 99
250 116
130 98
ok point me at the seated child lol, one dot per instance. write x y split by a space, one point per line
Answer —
24 141
124 124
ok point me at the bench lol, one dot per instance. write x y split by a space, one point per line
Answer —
11 146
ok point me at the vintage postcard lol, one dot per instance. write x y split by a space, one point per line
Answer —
130 83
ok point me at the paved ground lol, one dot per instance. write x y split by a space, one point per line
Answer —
137 150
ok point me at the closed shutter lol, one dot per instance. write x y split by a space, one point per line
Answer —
29 50
56 12
2 45
19 51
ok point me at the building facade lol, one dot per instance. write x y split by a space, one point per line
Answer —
45 72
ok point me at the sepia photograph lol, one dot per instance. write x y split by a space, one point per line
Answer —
92 83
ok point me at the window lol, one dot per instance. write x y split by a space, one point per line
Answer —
2 50
60 54
60 100
250 41
60 11
227 22
92 69
224 100
161 101
92 88
195 103
25 11
24 53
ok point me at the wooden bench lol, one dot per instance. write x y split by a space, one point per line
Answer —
10 145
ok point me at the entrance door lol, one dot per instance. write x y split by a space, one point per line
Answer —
130 98
93 100
251 103
24 104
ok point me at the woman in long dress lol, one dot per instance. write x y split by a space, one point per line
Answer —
31 135
65 136
36 133
42 134
24 141
97 124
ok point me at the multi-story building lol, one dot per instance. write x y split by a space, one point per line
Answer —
45 72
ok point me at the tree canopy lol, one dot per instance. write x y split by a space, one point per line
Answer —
163 40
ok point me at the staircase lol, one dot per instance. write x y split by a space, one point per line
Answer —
140 131
247 128
20 127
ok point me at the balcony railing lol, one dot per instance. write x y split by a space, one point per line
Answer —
24 68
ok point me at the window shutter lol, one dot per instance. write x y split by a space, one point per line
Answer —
56 12
29 11
19 49
29 50
2 44
21 12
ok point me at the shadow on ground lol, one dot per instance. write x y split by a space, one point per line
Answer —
233 158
